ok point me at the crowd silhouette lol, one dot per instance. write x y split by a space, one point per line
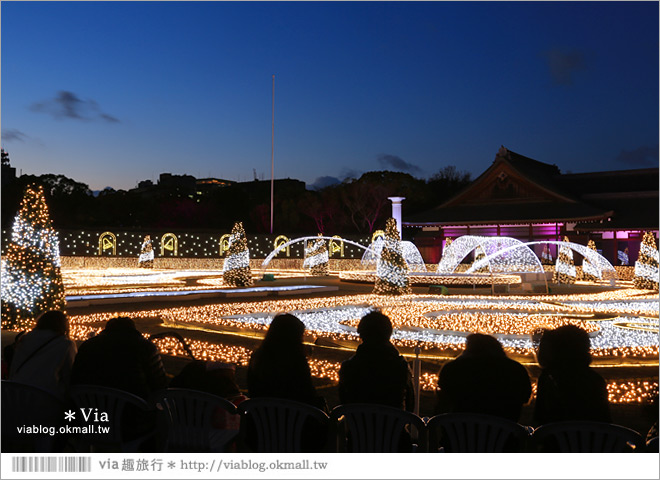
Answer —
481 380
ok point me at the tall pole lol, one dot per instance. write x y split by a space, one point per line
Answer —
272 159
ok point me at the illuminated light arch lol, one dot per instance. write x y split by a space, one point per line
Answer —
169 242
282 239
224 243
499 255
272 254
601 264
107 241
336 245
409 252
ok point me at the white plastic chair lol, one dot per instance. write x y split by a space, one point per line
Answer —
364 427
475 433
187 416
280 425
121 408
586 436
27 405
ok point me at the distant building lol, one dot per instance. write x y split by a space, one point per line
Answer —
187 182
533 201
205 185
8 173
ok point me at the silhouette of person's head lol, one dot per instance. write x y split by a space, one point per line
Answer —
375 327
55 321
481 345
564 347
284 333
120 324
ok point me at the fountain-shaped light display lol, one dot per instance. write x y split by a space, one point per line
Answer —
409 252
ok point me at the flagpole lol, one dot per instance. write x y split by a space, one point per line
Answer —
272 159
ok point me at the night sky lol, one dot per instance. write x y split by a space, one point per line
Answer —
112 93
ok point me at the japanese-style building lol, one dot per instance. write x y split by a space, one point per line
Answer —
533 201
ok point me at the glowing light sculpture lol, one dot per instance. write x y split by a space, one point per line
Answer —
565 267
391 270
236 269
146 258
286 245
316 256
31 275
589 270
502 255
409 251
602 266
646 266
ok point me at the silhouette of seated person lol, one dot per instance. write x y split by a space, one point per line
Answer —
483 380
216 378
377 373
120 357
568 388
279 368
44 356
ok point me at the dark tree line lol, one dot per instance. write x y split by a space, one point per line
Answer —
354 206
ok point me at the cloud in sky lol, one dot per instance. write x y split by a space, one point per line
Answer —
641 157
563 64
13 135
67 104
397 163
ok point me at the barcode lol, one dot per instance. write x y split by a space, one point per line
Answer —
51 464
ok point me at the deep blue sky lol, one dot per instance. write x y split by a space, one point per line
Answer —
111 93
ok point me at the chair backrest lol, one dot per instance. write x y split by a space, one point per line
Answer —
475 433
189 416
279 425
586 436
122 416
368 427
27 406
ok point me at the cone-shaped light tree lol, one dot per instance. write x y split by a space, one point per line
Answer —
236 269
589 271
646 266
31 275
391 269
316 256
565 267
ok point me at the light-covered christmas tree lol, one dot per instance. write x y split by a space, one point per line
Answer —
391 270
589 270
31 275
565 267
646 266
316 257
236 269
